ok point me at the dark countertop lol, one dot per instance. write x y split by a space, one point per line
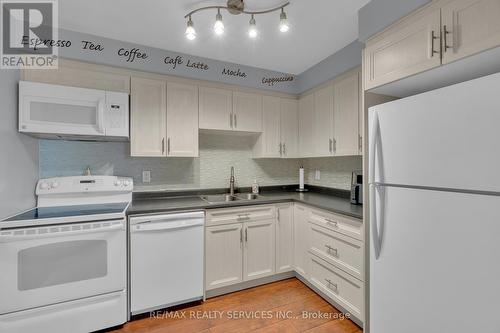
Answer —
156 203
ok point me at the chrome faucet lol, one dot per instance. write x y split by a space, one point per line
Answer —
231 182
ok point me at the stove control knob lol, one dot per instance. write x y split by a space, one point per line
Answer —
118 182
54 184
126 182
44 186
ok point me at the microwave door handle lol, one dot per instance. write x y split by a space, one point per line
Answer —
100 115
16 238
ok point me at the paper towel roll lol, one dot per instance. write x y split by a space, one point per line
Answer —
301 178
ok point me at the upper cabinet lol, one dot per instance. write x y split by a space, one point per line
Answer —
216 109
182 120
226 110
330 118
306 125
437 34
289 127
148 117
280 129
469 26
323 122
347 137
164 118
247 112
408 48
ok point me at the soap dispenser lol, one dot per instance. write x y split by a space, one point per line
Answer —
255 187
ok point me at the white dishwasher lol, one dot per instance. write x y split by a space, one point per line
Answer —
166 260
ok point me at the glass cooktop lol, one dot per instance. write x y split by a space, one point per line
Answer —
41 213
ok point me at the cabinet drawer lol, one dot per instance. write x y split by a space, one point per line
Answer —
338 285
340 250
344 225
240 214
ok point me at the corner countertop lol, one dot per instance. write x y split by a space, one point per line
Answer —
156 203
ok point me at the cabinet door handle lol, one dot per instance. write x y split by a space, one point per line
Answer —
446 32
231 120
433 38
278 215
241 235
334 145
168 146
281 149
162 146
246 235
284 148
235 122
330 145
360 142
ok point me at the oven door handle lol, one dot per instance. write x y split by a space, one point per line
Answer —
13 237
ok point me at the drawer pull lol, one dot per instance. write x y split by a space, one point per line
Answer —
332 222
244 216
331 284
331 249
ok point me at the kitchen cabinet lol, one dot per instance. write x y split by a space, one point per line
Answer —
259 249
182 120
347 140
216 109
240 245
437 34
269 143
148 117
469 26
290 128
306 125
284 238
409 47
323 122
280 127
247 112
300 240
223 255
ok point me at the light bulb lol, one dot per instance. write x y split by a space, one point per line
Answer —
284 27
190 32
252 30
218 26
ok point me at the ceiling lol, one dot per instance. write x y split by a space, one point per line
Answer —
319 28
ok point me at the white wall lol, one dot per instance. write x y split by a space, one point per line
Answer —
18 152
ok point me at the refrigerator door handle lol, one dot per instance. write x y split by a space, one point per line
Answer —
372 149
376 240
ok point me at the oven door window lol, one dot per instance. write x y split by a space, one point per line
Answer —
61 263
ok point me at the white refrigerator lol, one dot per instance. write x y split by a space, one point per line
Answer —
434 179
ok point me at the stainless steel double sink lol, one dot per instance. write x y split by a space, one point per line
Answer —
218 198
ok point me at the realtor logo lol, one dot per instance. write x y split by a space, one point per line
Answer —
29 34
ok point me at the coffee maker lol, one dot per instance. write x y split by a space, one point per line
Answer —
357 188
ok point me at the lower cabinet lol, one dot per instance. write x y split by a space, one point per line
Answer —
300 239
240 245
259 249
284 238
223 255
326 249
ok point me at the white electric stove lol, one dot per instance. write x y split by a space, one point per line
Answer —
63 263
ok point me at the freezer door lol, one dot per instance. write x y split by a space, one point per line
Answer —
444 138
438 266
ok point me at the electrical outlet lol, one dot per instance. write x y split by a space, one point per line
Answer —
317 175
146 176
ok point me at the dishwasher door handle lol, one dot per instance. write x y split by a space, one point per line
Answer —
170 225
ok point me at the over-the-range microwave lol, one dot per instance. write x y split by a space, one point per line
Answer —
61 112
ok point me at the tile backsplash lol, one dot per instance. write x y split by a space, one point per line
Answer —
218 152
